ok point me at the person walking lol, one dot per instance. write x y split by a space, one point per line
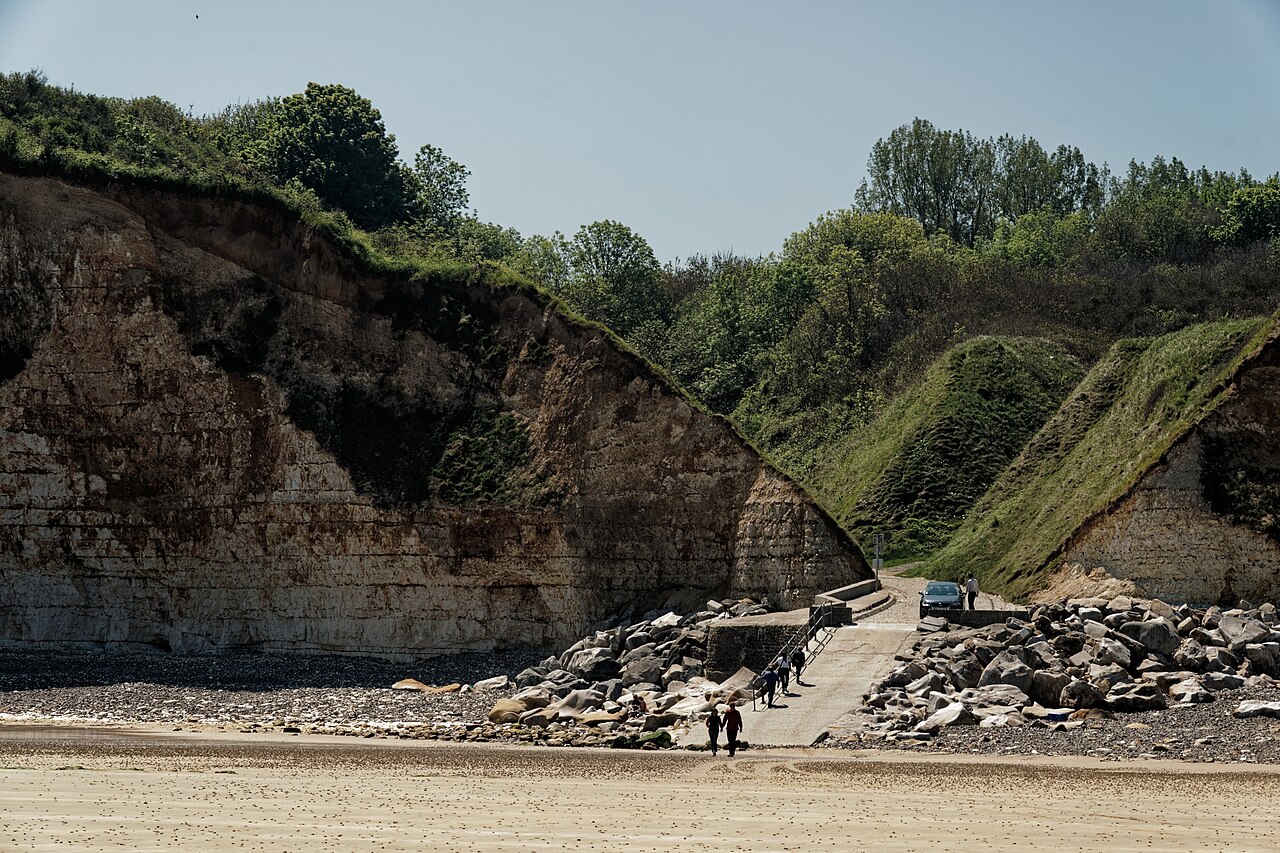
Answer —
783 665
971 587
732 725
713 729
797 663
769 684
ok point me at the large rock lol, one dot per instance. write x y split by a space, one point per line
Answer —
646 670
1047 686
1189 692
506 710
1240 632
1265 657
954 714
1137 696
1155 635
1255 708
1112 651
1080 694
1007 668
598 664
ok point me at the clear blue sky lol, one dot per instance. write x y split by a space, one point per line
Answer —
704 126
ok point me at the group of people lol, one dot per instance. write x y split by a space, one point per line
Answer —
777 673
731 721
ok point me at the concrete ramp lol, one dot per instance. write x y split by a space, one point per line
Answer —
855 658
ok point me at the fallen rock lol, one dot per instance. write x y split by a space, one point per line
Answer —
955 714
1253 708
1137 696
500 682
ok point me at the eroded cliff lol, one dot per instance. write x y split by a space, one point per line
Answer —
219 431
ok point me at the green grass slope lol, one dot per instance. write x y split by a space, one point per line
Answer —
916 470
1129 410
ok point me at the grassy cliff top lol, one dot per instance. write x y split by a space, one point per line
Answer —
916 470
1133 405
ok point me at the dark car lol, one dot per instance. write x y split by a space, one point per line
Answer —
941 595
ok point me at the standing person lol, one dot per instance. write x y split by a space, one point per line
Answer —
784 672
732 725
971 587
769 684
713 729
797 663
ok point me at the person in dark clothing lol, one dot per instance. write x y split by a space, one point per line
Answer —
732 725
768 685
713 729
797 663
971 588
783 667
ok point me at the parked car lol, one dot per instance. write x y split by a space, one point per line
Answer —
941 595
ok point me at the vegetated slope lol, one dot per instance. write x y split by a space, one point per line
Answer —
1124 416
918 468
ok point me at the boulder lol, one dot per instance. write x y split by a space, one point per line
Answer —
1155 635
1080 694
507 710
1111 651
538 717
1191 655
1220 660
410 684
1136 696
1253 708
1222 681
905 674
1240 632
596 718
498 682
954 714
964 672
1189 691
928 683
535 697
531 676
1047 686
644 670
1265 657
994 695
1162 610
1070 643
1006 668
594 664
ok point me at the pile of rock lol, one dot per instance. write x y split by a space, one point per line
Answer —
595 683
1072 660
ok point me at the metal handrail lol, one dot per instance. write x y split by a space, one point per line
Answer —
812 629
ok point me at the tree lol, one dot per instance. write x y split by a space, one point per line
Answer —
439 186
943 179
1252 214
613 276
333 142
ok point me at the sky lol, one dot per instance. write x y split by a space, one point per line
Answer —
704 126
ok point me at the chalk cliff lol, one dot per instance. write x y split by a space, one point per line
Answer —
219 431
1203 525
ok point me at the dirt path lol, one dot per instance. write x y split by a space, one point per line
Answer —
317 795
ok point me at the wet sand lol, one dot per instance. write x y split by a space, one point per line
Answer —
112 790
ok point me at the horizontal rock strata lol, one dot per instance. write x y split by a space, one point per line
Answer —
218 432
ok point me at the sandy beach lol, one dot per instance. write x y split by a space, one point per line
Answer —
102 789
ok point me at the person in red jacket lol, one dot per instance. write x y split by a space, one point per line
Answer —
732 725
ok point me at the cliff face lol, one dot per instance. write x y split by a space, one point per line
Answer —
1203 525
217 432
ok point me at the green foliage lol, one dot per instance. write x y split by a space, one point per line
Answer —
1252 214
1124 416
439 186
487 461
915 471
333 142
